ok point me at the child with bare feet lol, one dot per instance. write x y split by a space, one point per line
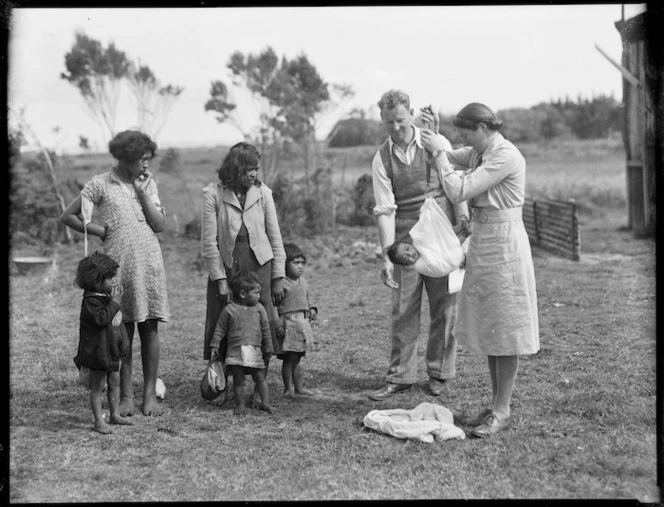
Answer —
294 333
243 331
103 340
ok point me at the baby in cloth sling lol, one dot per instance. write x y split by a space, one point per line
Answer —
438 249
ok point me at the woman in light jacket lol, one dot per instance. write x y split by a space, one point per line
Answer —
239 230
497 306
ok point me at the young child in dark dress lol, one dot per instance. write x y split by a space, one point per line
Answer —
103 340
294 333
243 335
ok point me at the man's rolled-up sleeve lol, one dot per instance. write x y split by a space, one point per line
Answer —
382 187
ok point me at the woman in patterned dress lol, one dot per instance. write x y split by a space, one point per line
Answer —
497 306
131 216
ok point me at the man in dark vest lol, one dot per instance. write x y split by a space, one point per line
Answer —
402 178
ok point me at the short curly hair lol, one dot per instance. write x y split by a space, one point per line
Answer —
394 98
94 269
131 145
244 280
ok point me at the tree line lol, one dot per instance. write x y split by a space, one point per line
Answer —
559 119
291 98
99 71
289 94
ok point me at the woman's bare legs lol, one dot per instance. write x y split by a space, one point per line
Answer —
113 389
150 351
494 379
127 407
506 370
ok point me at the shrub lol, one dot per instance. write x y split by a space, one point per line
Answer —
170 162
35 209
312 209
363 202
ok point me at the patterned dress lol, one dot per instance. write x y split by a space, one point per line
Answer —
132 243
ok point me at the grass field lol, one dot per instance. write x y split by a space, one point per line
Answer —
584 406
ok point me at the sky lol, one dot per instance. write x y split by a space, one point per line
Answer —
446 56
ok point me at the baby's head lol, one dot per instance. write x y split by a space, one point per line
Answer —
246 286
295 261
403 253
95 273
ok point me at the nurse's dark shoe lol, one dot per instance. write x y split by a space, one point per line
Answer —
492 424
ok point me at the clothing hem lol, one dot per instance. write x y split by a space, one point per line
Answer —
160 319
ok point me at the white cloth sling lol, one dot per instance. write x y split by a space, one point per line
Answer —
433 237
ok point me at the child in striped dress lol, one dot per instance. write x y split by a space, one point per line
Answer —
294 333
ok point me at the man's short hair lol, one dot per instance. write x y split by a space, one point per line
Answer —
394 98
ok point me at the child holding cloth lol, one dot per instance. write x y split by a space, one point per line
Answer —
243 335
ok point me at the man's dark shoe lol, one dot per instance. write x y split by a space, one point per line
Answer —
436 386
388 390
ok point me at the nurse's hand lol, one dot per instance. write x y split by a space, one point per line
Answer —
430 118
431 141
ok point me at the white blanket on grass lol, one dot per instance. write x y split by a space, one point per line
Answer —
424 422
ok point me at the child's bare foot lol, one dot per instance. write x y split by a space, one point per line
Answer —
151 406
117 419
102 427
304 392
289 393
255 402
267 408
240 409
221 399
127 407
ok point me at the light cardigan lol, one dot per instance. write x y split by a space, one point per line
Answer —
222 219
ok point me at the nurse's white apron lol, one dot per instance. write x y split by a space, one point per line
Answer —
497 305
